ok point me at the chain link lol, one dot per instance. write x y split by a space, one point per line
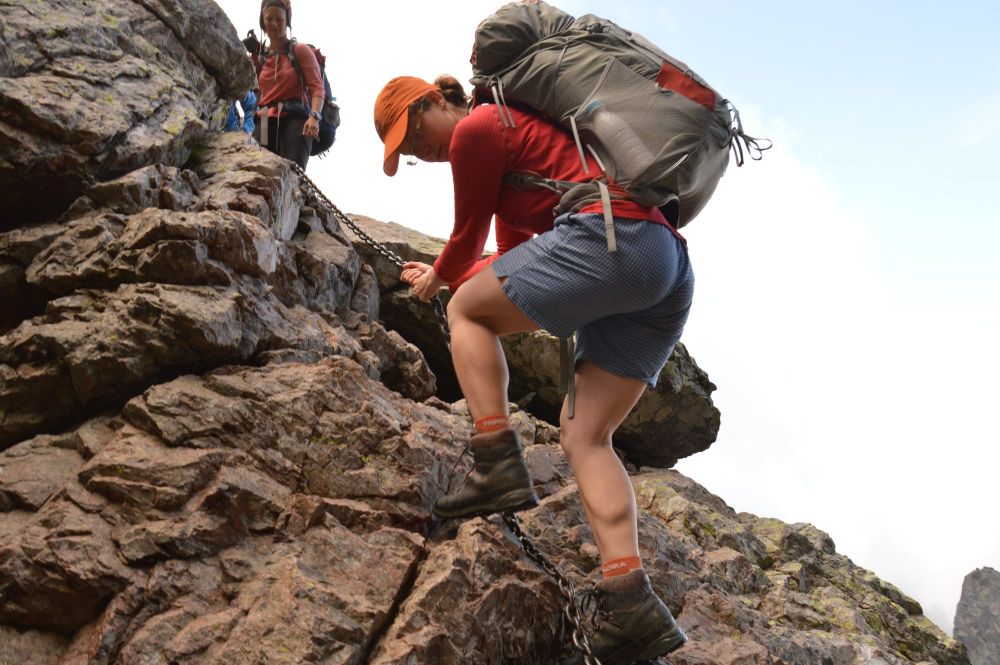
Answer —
571 610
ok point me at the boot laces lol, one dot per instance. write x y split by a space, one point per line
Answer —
592 600
451 474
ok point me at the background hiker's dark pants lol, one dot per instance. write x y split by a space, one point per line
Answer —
285 138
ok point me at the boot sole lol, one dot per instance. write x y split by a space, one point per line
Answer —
511 502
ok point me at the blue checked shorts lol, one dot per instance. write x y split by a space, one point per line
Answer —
628 308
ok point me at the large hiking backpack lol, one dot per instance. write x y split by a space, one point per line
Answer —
330 113
656 128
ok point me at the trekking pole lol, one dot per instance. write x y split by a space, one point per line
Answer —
571 610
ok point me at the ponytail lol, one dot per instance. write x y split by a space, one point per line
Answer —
452 90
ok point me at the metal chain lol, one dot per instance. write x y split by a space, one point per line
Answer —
376 245
570 608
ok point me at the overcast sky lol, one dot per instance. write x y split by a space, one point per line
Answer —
848 299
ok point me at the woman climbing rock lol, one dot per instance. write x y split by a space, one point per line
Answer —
627 307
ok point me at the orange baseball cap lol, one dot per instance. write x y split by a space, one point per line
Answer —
392 115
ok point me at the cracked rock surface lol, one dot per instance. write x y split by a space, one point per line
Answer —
977 619
95 89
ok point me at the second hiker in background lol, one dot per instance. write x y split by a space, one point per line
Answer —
290 104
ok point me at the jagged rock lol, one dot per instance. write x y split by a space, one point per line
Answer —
94 90
675 420
326 275
105 249
189 493
418 323
403 367
785 588
32 471
365 301
17 249
299 495
237 175
94 348
57 570
154 186
30 647
151 294
468 606
977 618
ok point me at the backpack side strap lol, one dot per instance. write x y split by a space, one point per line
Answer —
567 372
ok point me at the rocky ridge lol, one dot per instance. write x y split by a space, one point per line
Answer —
977 618
212 451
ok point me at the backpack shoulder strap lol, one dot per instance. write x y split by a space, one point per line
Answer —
293 45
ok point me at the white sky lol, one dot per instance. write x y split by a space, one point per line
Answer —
847 300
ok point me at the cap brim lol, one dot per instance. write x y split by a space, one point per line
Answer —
393 139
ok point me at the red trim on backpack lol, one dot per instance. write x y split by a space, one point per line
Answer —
672 78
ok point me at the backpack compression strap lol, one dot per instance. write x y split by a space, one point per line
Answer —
575 195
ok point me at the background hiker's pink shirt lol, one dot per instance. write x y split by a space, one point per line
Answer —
482 151
279 81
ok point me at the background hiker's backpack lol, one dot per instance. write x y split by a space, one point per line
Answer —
331 111
657 128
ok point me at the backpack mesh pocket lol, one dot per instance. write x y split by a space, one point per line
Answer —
643 133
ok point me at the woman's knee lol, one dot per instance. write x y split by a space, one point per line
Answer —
575 440
456 309
470 302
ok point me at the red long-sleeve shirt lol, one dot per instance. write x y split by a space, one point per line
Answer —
279 81
482 151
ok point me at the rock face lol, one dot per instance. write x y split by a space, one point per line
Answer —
139 295
216 507
673 421
211 451
977 619
92 90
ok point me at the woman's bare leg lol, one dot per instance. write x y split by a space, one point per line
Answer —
478 314
603 400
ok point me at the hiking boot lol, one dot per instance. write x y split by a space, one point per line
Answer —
499 481
630 623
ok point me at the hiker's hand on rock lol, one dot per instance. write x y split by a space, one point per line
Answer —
413 270
427 285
